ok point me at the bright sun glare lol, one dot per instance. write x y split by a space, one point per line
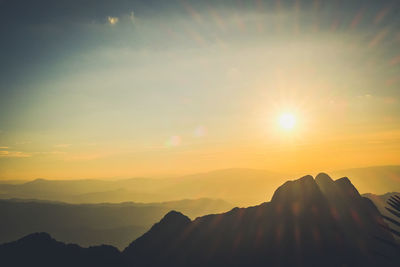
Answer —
287 121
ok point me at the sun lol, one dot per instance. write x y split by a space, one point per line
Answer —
287 121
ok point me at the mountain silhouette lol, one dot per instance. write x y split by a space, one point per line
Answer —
94 224
308 222
40 249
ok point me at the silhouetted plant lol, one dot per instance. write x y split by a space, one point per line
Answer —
394 203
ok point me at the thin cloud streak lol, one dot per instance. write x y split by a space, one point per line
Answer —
14 154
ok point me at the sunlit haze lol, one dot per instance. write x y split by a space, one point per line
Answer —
178 87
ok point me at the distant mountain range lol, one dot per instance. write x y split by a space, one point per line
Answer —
239 186
243 187
93 224
308 222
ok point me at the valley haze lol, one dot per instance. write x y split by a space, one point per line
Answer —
242 187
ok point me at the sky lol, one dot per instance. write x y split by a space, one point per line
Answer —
105 89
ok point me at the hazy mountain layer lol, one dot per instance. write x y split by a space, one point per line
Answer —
93 224
243 187
308 222
377 180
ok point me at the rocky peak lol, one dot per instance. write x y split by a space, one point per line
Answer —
175 217
324 179
326 184
302 189
172 222
347 188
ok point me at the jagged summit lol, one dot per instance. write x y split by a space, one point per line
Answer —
306 187
302 188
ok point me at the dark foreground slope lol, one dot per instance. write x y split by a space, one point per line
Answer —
381 202
41 250
94 224
309 222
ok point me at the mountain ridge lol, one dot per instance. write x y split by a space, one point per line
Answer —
302 225
94 224
242 187
337 227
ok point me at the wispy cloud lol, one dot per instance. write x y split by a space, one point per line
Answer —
62 145
50 153
22 142
86 156
4 147
14 154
